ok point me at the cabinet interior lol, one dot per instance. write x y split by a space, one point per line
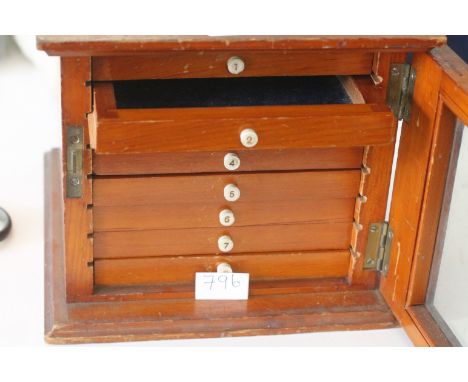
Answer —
240 91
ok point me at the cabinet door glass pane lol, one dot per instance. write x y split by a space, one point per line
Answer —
448 289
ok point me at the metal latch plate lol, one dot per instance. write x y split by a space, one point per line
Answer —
74 161
379 242
400 90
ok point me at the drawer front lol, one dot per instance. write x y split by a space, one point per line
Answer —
202 162
191 215
121 272
221 129
207 189
204 64
200 241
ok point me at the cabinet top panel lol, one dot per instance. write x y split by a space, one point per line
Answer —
118 45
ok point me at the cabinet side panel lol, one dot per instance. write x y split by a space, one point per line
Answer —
76 103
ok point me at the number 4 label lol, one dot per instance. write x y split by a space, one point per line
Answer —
221 286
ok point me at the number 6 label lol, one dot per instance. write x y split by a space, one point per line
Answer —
221 286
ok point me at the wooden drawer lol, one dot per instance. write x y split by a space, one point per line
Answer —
134 130
200 241
178 202
202 162
216 129
208 63
119 272
195 215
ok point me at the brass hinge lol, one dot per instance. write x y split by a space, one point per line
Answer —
379 242
400 90
75 148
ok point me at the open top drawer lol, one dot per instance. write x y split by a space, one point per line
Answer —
209 115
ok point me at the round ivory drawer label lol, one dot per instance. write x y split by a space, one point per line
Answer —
231 192
231 161
249 137
225 243
235 65
226 217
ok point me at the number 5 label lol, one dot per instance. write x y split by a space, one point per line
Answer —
221 286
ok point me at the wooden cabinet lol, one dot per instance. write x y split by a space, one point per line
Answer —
281 148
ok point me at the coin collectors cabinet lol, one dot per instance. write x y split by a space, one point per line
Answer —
266 156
